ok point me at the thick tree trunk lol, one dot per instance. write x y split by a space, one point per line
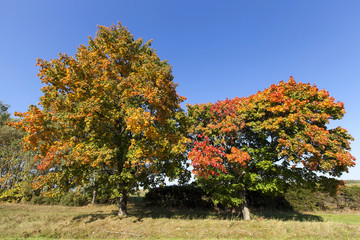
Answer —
246 212
245 208
123 204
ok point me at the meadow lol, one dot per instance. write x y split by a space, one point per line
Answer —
353 182
27 221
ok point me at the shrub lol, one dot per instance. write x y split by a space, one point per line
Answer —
306 200
43 200
68 199
21 192
73 199
351 196
188 196
260 201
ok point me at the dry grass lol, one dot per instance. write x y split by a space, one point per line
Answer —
101 222
353 182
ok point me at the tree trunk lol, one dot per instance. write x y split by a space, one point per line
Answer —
245 208
93 201
123 204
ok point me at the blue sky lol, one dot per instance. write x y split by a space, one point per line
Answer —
218 49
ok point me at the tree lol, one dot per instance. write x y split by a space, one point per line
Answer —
4 115
109 118
16 166
267 142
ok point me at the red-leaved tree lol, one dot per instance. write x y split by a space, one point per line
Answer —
267 142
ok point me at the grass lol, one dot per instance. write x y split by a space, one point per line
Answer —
346 218
20 221
353 182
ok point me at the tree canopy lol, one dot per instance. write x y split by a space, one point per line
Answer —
110 120
268 141
109 117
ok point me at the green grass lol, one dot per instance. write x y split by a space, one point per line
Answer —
20 221
345 218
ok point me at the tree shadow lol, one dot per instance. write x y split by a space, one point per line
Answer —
140 210
277 207
94 216
179 213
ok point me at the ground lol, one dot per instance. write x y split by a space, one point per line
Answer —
20 221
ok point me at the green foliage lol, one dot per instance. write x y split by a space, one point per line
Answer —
276 139
42 200
294 199
110 117
4 115
306 199
192 196
17 168
188 196
303 199
73 199
227 194
68 199
21 192
264 202
15 164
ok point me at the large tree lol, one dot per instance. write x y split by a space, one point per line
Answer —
109 117
267 142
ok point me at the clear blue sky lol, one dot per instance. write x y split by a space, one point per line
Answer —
218 49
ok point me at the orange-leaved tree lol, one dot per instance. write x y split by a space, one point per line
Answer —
109 118
267 142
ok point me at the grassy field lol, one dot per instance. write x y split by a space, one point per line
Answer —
20 221
353 182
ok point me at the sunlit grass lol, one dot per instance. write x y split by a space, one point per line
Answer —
346 218
353 182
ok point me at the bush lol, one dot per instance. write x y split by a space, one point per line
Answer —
42 200
351 196
73 199
68 199
21 192
11 195
188 196
300 199
307 200
260 201
103 197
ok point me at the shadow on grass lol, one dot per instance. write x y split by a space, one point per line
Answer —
93 217
140 210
